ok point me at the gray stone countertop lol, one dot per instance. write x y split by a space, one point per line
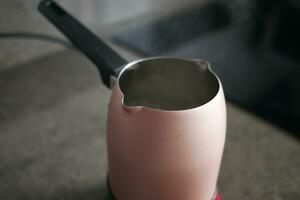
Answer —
52 138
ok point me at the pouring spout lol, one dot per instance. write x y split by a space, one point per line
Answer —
203 65
132 109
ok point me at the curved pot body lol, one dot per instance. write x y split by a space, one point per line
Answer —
165 154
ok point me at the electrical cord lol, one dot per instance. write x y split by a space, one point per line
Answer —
38 36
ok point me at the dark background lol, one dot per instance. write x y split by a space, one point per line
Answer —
254 46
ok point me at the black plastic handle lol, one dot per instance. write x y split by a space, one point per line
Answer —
107 60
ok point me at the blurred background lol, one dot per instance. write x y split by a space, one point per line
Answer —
17 15
53 105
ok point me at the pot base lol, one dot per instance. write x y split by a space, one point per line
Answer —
110 195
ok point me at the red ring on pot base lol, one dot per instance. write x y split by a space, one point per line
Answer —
111 196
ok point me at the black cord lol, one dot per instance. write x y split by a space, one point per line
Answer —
38 36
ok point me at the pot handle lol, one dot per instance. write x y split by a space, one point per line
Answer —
108 62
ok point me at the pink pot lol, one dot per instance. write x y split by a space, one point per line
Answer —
166 154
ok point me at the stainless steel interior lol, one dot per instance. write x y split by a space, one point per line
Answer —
168 84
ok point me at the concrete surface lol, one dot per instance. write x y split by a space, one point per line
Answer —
52 138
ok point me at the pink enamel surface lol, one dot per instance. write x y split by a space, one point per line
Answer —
165 155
